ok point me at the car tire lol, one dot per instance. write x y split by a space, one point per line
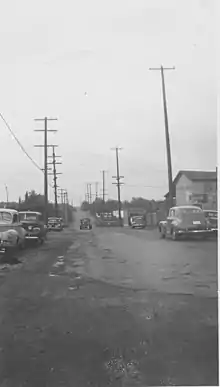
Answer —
174 235
21 245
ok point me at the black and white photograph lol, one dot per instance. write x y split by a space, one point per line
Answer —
108 193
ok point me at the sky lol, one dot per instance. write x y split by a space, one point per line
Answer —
87 63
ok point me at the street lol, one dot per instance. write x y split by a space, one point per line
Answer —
110 307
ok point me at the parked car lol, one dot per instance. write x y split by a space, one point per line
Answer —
85 224
212 219
138 222
185 221
34 225
12 233
54 224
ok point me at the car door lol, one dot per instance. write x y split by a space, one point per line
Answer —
170 219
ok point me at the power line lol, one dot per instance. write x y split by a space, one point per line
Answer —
19 143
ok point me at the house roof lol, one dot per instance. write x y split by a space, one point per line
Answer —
194 175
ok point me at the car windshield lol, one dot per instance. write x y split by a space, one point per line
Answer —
27 216
5 217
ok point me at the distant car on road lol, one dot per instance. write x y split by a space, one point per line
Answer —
212 219
12 233
54 224
85 224
138 222
185 221
34 225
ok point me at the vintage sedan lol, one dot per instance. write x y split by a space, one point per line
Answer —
12 233
54 224
85 224
185 221
138 222
33 223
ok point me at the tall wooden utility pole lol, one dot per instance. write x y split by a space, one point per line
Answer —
170 177
90 193
103 185
66 205
45 146
118 184
6 190
55 173
96 190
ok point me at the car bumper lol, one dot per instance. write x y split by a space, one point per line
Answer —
6 246
32 237
194 232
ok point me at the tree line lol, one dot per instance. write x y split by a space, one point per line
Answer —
99 206
33 201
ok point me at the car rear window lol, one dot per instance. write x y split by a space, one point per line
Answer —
190 210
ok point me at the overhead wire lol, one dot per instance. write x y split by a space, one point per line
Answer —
20 145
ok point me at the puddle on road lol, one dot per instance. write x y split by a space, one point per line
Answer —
128 372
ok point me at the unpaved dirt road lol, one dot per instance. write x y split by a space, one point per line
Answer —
109 307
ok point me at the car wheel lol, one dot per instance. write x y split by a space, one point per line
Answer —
42 240
21 245
162 234
174 235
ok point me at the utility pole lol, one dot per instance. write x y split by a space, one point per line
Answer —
96 190
55 173
87 193
118 184
61 191
66 206
90 193
103 185
45 146
170 177
6 190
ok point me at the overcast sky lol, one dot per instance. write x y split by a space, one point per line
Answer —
53 52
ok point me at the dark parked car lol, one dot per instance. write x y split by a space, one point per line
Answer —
34 225
185 221
85 224
55 224
138 222
212 219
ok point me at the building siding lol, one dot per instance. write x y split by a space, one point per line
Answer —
183 190
186 189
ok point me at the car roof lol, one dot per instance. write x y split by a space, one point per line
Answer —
182 207
30 212
8 210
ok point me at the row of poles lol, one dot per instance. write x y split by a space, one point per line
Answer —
58 192
118 178
89 195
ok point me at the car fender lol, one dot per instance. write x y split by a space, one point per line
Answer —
10 235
